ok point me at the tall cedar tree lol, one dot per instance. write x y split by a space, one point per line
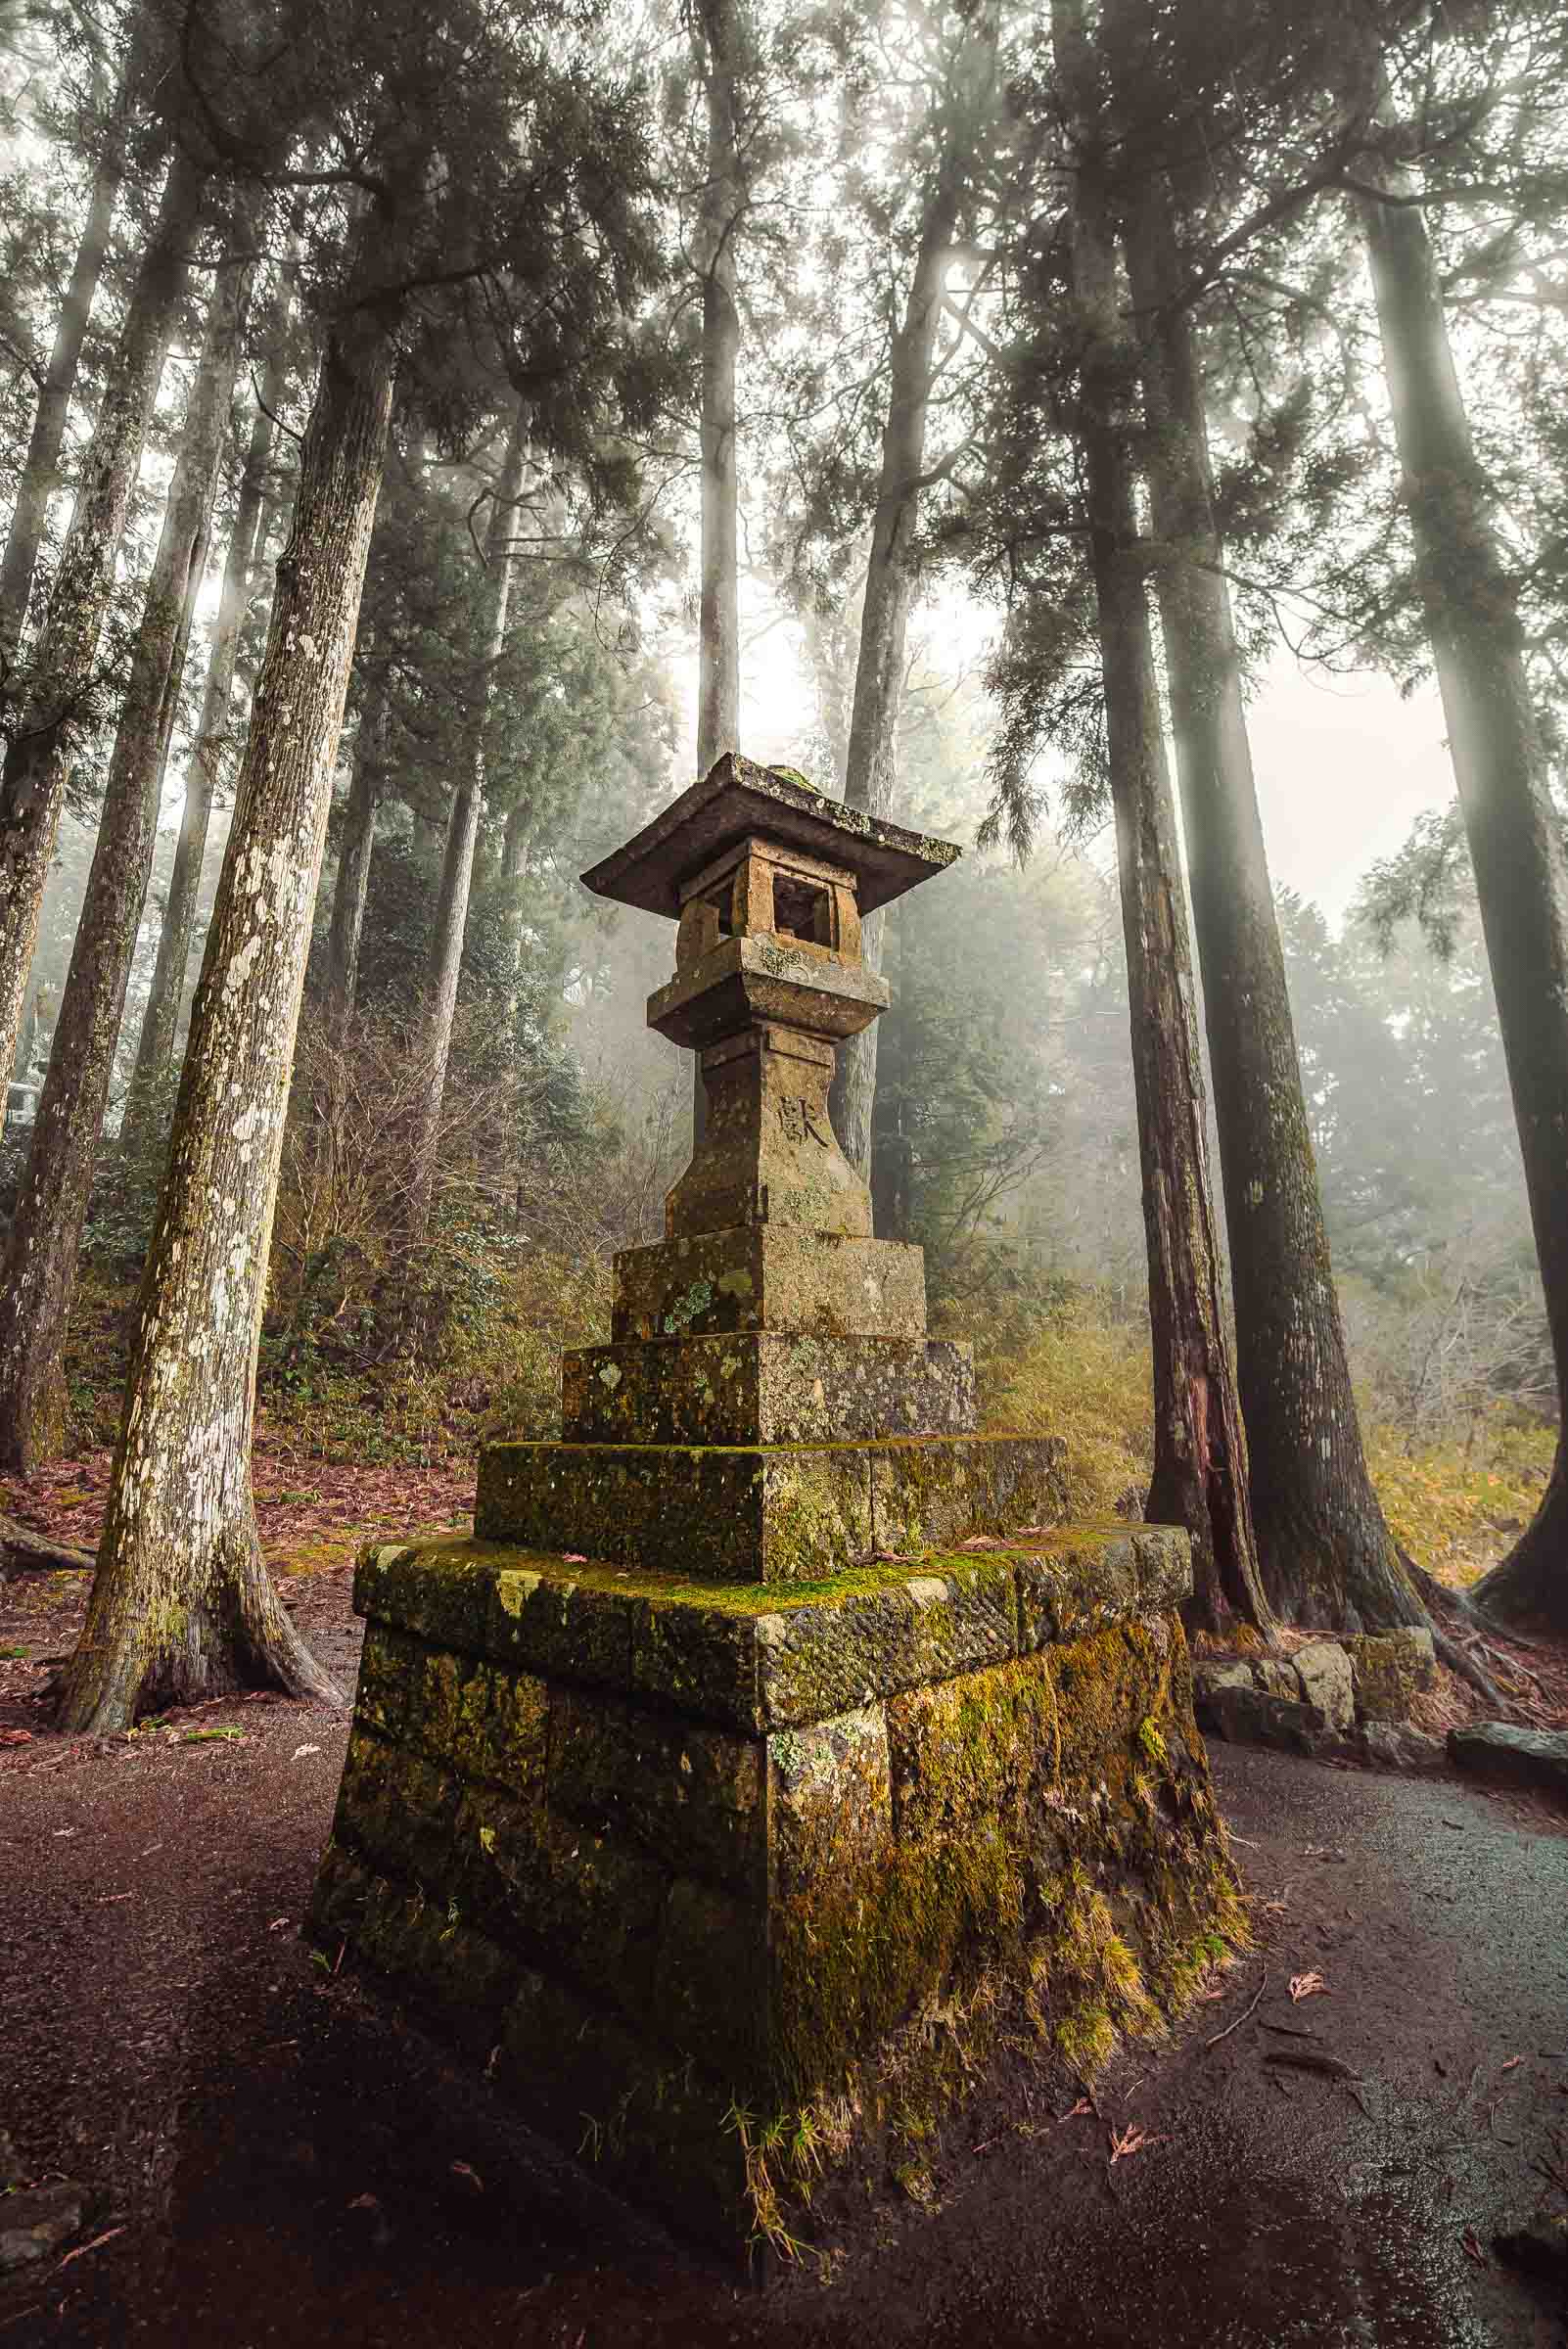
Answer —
1200 1449
155 1049
1470 601
960 108
40 468
58 713
1325 1553
463 829
718 46
40 1270
528 226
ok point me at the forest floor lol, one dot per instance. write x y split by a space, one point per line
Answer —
272 2160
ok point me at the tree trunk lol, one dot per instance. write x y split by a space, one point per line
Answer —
1200 1449
40 1273
350 886
723 196
869 771
1500 771
182 1606
462 835
1325 1553
40 467
351 883
154 1051
719 615
38 760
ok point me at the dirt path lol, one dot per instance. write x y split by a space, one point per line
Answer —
271 2159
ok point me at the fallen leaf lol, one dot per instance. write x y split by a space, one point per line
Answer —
1473 2247
1307 1986
1079 2109
1131 2140
16 1736
365 2202
463 2169
982 1542
575 1558
300 1751
1512 2061
280 1924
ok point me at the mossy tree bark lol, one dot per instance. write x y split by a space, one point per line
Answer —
155 1049
1200 1449
1325 1553
870 772
39 477
40 1271
1500 771
462 832
182 1606
38 760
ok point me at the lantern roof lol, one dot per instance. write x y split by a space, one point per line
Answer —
737 800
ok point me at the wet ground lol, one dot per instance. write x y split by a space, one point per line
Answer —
272 2160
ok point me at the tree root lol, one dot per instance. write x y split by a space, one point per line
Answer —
1438 1599
24 1552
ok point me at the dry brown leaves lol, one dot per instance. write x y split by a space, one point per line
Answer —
1307 1986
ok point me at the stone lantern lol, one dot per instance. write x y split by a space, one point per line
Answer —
772 1709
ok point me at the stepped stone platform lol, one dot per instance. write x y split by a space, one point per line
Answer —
775 1775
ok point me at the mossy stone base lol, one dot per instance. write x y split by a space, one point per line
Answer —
762 1388
760 1276
765 1513
744 1894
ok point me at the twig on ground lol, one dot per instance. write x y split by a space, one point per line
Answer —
1241 2018
82 2250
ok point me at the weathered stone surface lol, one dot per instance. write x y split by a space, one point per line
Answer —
417 1940
1210 1676
726 1514
829 1656
830 1797
1251 1717
709 1989
634 2113
928 1492
967 1753
760 1276
37 2220
1323 1670
541 1616
440 1592
1392 1746
1499 1749
762 1388
395 1808
1387 1669
481 1720
1276 1678
388 1674
585 1904
767 1153
692 1797
1085 1577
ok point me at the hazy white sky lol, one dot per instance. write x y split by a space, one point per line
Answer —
1344 766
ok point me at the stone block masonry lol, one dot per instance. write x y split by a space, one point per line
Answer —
685 1860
